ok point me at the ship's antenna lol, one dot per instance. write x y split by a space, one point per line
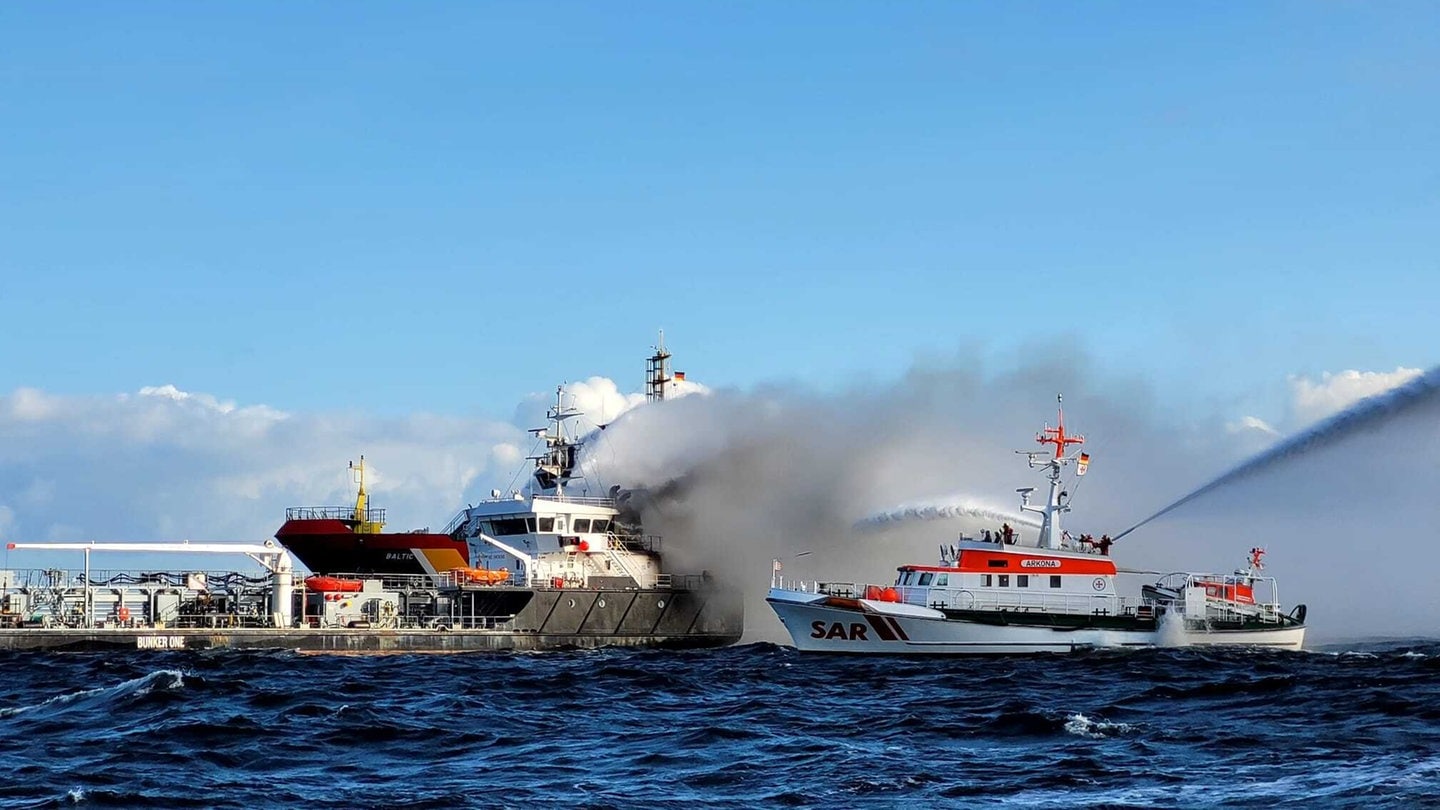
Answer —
657 372
556 465
1050 530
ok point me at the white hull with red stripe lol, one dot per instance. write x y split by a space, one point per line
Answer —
877 627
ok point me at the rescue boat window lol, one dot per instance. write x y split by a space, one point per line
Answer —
926 577
1055 580
1022 580
547 524
582 525
1004 580
986 580
999 563
942 579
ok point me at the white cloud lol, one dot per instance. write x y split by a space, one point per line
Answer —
1312 400
1252 424
170 464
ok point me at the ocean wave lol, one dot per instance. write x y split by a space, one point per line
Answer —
749 725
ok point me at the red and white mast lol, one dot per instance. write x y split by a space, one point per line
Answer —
1050 530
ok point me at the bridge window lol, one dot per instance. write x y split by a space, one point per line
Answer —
942 580
1022 580
508 526
582 525
926 577
1054 580
547 524
600 526
1004 580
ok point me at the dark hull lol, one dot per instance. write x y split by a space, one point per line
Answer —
330 547
545 620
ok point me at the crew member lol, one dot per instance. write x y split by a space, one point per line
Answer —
1009 534
1105 544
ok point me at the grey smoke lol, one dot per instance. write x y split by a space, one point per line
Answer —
747 476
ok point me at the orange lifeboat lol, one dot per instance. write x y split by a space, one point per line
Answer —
481 576
332 584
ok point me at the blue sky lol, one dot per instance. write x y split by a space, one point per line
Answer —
442 207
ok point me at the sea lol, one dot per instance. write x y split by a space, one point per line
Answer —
756 725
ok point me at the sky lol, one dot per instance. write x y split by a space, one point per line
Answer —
241 244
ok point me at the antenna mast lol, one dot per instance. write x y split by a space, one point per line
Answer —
1050 531
657 372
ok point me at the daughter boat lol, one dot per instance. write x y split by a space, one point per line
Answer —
1058 595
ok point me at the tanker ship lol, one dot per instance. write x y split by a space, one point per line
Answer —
538 570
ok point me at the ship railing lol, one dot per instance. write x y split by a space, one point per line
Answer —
370 515
583 500
633 542
388 582
684 582
456 523
1070 603
456 622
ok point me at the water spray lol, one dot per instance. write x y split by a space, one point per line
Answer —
1366 414
940 510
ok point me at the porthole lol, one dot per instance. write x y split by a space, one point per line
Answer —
600 603
572 603
660 604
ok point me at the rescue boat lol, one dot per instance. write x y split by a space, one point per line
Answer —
1002 594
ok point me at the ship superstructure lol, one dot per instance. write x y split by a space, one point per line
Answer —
550 537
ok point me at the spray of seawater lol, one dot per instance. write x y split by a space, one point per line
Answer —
1367 414
941 510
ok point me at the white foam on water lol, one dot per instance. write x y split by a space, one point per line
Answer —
1082 726
166 679
1170 632
1250 786
76 795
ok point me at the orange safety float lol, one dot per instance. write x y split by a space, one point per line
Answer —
123 613
481 576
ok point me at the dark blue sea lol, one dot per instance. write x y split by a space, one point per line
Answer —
754 725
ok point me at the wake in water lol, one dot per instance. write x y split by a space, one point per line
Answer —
1367 414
